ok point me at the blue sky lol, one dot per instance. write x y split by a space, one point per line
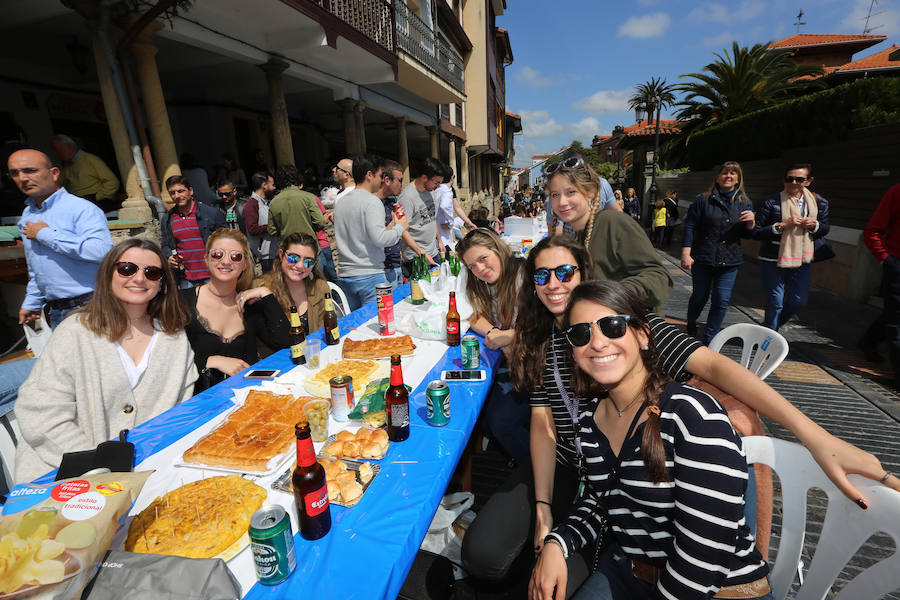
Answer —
577 61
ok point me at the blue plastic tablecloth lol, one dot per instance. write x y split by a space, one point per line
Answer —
371 546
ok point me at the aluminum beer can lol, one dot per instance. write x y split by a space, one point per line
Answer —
272 545
471 352
341 397
384 299
437 401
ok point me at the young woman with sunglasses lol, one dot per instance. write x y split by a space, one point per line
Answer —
117 362
619 247
662 466
224 338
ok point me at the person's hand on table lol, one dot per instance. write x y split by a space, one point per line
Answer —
543 523
549 574
226 364
499 338
250 296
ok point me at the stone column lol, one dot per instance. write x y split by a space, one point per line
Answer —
403 145
281 128
350 139
164 154
463 176
451 158
433 136
116 123
360 127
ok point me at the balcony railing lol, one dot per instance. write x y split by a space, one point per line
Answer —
372 18
422 42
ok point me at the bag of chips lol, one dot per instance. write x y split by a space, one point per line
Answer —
370 407
53 535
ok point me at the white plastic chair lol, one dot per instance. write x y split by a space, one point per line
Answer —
845 528
36 339
337 294
763 350
9 436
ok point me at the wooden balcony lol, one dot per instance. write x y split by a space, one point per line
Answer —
421 42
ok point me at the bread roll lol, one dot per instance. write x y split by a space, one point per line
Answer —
366 472
344 436
351 450
380 436
350 491
334 449
363 435
372 450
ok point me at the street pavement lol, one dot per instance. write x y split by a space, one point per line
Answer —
827 378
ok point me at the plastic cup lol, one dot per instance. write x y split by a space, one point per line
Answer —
313 347
317 414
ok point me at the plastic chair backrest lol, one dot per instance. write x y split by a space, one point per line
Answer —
9 435
35 340
763 350
337 294
845 528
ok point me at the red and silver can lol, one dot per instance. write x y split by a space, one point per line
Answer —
384 298
398 211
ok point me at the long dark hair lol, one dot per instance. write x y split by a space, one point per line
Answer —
478 293
623 301
534 323
104 314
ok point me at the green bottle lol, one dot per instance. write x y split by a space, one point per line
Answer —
415 292
424 263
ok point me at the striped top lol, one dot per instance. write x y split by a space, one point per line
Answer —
674 347
692 527
190 244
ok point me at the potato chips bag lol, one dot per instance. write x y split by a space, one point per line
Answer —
53 535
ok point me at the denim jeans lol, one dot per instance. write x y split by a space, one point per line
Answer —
507 416
716 280
326 263
56 315
787 291
12 375
184 284
360 289
394 276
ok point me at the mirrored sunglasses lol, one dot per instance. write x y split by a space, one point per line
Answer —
613 327
564 274
573 162
129 269
293 259
219 254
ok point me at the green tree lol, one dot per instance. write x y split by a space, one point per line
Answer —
652 96
589 154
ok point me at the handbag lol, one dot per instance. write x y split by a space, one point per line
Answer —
822 250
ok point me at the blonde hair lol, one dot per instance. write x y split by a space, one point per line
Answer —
507 290
246 278
587 182
727 167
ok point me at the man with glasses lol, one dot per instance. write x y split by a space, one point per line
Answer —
391 184
343 177
232 205
361 233
293 210
418 202
185 229
65 238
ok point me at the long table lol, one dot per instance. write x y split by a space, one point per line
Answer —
371 546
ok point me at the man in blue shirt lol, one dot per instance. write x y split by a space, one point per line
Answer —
65 238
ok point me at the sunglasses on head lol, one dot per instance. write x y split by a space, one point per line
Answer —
795 179
293 259
573 162
219 254
613 327
564 273
129 269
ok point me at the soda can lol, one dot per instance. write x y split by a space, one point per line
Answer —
384 299
398 211
341 397
272 545
437 402
471 352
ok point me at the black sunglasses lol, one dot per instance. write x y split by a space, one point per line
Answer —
226 194
564 273
340 169
613 327
573 162
795 179
129 269
293 259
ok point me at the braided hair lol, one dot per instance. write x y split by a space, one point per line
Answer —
587 182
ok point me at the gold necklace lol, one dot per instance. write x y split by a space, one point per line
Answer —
622 412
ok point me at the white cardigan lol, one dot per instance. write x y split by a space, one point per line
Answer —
78 394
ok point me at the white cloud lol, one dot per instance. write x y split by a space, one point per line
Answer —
604 101
723 39
534 78
648 26
539 124
585 129
723 13
886 18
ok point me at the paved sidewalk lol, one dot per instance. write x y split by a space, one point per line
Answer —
825 377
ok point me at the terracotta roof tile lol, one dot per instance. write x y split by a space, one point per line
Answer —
879 60
663 123
665 128
818 39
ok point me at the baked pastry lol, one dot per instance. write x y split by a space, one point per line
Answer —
351 491
361 371
334 449
365 443
366 472
378 347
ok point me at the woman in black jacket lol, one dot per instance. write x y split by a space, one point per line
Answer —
711 247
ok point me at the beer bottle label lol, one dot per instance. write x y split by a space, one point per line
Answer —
297 350
399 415
316 502
452 327
329 305
336 333
415 290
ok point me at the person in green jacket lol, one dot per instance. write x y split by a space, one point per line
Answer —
293 210
620 248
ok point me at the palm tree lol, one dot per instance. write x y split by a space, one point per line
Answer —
650 95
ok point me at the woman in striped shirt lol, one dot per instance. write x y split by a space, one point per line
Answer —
661 464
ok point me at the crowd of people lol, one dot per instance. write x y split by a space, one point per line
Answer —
629 480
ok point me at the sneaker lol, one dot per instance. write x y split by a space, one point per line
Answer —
692 329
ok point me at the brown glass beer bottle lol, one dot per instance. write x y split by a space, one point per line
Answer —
452 322
396 404
310 489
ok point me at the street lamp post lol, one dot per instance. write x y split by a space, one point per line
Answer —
655 157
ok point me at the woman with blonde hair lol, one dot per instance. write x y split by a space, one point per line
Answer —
117 362
222 336
632 205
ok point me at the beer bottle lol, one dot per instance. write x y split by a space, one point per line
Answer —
415 291
426 275
452 322
330 322
297 339
310 488
396 403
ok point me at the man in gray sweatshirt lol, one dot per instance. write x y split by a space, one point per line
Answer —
361 234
